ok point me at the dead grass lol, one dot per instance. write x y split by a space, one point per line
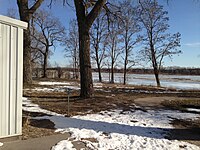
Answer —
187 129
182 104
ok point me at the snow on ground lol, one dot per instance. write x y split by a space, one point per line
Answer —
185 82
55 83
27 105
66 83
63 145
41 89
124 130
63 88
56 89
193 109
170 81
98 85
148 91
1 144
118 129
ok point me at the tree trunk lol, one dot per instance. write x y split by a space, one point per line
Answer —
45 65
98 63
25 15
74 68
99 71
125 74
156 73
27 69
85 63
112 72
154 62
125 66
155 68
109 74
85 22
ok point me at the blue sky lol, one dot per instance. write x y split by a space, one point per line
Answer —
184 17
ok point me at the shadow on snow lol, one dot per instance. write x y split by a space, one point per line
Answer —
106 127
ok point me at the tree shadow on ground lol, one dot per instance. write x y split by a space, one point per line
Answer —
62 122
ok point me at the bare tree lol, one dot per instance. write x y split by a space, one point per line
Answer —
36 58
99 34
50 32
158 43
59 70
114 49
26 11
130 27
85 19
86 12
72 46
36 46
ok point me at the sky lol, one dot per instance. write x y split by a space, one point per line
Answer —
184 17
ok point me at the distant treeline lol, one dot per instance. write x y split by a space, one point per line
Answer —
171 71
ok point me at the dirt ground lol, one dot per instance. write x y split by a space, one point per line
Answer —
113 97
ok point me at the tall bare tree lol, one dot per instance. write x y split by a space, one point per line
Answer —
114 49
99 35
26 11
85 19
158 43
130 27
59 70
36 46
36 55
72 47
50 33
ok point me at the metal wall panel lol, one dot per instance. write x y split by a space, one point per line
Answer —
11 75
19 80
5 80
1 81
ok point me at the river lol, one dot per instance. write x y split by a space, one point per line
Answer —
185 82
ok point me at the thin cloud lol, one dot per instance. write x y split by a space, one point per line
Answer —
195 44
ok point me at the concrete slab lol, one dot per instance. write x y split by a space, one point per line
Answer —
43 143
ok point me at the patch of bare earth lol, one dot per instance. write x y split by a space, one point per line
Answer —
186 130
32 131
33 128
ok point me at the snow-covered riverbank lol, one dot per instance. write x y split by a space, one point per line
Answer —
171 81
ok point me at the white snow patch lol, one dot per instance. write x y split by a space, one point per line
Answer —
54 89
124 130
193 109
71 87
55 83
1 144
27 105
98 85
63 145
39 89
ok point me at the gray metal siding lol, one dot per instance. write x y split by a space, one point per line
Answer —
11 62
